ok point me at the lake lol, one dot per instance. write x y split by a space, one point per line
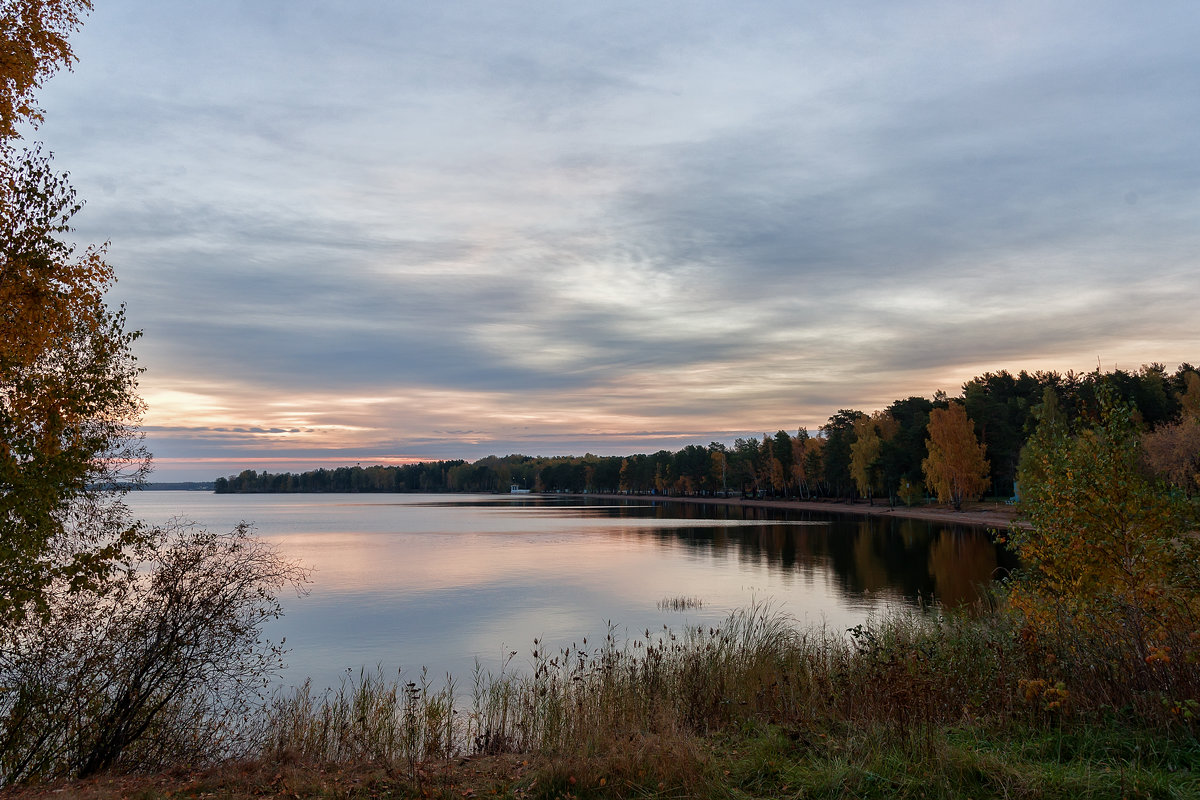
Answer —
405 581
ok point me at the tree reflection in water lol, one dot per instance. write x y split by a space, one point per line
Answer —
903 559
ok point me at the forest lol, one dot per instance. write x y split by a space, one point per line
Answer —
884 454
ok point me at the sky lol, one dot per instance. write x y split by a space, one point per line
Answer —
374 231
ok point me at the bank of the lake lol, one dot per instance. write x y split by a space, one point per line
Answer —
998 516
917 708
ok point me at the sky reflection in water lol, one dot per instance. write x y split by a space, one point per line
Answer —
402 581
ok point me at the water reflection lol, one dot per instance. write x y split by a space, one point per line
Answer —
405 580
883 555
903 559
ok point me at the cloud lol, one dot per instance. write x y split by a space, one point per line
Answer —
513 226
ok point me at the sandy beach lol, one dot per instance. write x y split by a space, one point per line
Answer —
983 515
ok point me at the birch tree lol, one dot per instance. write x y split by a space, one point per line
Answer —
955 469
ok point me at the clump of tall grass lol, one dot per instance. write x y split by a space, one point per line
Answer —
903 671
680 603
760 703
659 682
373 718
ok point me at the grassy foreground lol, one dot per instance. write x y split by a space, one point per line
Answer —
921 706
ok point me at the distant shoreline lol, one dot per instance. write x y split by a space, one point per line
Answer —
980 515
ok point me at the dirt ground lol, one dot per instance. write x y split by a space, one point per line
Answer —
473 776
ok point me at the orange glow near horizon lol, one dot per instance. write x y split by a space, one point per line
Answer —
665 410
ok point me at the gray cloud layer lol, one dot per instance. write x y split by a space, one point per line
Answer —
617 218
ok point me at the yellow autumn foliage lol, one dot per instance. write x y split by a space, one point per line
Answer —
1112 559
68 380
955 469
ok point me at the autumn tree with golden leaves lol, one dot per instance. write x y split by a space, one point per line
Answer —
33 46
870 434
955 469
118 642
68 401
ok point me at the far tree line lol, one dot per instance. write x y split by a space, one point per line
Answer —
953 448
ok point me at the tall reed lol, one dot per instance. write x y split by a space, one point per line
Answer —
373 718
902 671
654 710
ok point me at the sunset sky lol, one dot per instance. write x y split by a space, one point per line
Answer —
380 231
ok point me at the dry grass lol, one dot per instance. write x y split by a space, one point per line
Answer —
659 683
905 672
908 705
673 714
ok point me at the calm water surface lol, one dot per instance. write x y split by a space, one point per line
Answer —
406 581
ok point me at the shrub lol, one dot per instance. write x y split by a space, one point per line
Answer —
1111 593
165 666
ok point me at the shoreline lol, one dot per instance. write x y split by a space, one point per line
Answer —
978 515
